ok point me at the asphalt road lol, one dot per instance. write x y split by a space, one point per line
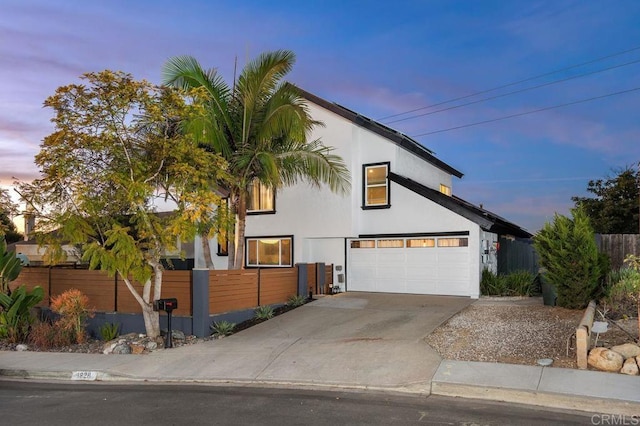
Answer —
107 404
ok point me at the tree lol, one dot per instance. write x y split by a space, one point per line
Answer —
570 257
8 209
614 208
260 126
115 147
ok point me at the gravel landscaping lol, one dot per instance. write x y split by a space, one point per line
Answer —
519 331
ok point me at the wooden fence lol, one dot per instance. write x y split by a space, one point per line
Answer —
516 255
229 290
618 246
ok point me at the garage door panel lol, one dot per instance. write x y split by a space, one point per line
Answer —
417 270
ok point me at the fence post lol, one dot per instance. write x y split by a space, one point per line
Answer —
320 278
259 276
303 280
200 302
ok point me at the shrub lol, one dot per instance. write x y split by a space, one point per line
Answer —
295 301
519 283
46 335
72 306
568 251
10 266
263 312
109 331
222 328
16 316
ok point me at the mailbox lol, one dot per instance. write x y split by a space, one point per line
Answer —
167 305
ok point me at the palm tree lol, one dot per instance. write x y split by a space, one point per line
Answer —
260 126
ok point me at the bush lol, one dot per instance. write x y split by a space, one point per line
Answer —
45 335
222 328
519 283
72 306
263 312
295 301
567 250
16 316
109 331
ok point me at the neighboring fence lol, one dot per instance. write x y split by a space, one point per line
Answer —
618 246
516 255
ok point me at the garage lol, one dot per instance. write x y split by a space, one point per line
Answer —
434 264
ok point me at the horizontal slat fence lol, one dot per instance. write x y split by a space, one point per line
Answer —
229 290
277 285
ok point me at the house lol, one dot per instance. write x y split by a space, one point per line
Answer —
400 230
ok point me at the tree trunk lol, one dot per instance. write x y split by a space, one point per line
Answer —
206 250
231 237
151 318
242 222
151 321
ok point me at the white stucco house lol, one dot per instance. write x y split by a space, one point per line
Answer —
399 230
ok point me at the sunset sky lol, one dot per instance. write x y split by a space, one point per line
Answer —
380 59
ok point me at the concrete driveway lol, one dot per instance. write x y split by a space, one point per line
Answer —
362 340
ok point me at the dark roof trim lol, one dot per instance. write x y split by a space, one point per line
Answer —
484 218
396 137
416 234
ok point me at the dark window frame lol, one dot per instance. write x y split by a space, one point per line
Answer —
267 237
387 164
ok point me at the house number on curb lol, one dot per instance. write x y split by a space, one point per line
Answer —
84 375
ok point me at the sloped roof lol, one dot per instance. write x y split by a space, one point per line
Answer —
394 136
485 219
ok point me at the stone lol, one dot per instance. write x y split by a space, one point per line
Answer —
108 347
137 348
122 349
630 367
22 348
628 350
151 346
605 360
175 334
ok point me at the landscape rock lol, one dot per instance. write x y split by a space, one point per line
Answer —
630 367
628 350
22 348
137 348
151 345
605 360
121 349
175 334
108 347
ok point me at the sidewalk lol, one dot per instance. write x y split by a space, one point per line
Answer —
543 386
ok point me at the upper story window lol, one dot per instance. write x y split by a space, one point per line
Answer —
375 191
261 199
446 190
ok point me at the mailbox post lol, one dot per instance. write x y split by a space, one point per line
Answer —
167 305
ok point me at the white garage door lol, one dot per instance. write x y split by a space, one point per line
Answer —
420 265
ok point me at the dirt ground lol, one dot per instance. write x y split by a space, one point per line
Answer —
520 331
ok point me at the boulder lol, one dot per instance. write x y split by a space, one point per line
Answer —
630 367
628 350
122 349
605 359
21 348
137 348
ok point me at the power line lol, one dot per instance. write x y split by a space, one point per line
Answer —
514 92
512 84
527 112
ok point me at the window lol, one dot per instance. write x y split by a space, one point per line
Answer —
261 198
375 192
223 242
446 190
421 242
453 242
363 244
269 251
390 243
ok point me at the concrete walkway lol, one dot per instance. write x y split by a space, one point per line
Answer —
351 341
